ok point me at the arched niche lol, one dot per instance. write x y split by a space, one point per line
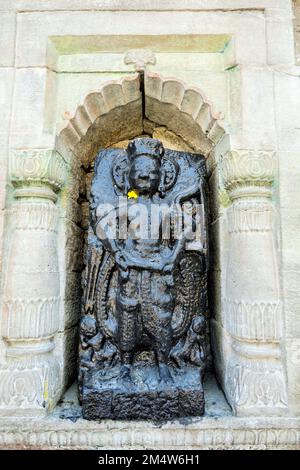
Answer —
122 109
165 108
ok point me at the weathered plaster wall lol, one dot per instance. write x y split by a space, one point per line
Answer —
241 54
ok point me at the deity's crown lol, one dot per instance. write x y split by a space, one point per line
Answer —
145 146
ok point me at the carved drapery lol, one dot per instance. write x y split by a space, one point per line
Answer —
255 380
30 376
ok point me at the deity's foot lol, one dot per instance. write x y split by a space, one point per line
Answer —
165 375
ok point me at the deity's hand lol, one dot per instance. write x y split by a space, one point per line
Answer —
168 266
121 260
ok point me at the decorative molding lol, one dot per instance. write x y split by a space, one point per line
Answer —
32 171
250 216
256 386
140 58
256 350
257 321
216 433
34 216
30 318
24 348
248 172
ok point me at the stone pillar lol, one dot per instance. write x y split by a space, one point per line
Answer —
30 375
255 381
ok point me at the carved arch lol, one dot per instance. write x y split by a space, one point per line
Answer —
127 108
119 111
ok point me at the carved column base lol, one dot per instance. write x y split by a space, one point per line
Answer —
29 386
255 379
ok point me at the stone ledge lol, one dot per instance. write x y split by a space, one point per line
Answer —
217 429
142 5
199 433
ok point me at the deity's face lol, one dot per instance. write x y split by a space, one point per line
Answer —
144 174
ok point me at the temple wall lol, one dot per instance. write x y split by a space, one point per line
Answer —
241 57
296 6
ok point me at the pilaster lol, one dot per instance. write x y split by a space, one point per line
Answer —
30 375
255 379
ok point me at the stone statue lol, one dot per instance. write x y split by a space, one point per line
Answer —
144 330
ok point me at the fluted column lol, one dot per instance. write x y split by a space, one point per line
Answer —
255 377
30 376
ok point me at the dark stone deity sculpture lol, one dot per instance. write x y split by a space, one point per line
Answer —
144 329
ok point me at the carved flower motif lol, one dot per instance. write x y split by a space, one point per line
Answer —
36 166
248 167
140 58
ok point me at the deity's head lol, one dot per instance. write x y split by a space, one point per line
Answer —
145 165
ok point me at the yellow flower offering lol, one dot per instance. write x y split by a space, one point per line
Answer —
132 194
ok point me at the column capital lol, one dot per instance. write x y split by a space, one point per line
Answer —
37 173
248 173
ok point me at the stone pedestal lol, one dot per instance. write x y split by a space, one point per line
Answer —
145 398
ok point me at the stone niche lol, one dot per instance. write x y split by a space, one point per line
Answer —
76 74
246 330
